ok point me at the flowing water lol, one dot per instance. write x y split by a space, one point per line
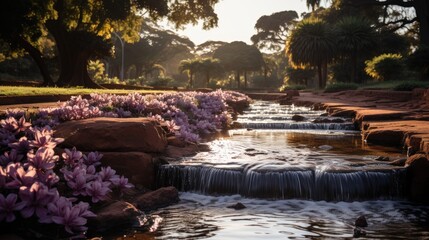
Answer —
298 180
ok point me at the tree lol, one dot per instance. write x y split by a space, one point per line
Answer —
354 35
209 67
206 49
20 28
82 29
419 61
241 58
312 43
191 67
385 67
421 8
272 30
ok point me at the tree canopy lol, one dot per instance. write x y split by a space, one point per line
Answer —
82 29
272 30
239 57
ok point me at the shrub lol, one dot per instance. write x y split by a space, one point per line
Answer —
337 87
160 82
385 67
291 87
409 86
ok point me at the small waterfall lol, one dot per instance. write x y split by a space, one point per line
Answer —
265 115
300 125
306 184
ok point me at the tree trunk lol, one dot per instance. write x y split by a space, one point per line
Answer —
320 75
237 79
37 56
73 58
191 80
325 74
422 12
245 79
207 78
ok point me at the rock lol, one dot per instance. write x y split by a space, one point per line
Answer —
113 135
238 106
418 177
325 147
298 118
138 167
361 222
177 142
399 162
385 137
291 92
179 152
357 232
382 158
115 215
159 198
237 206
328 120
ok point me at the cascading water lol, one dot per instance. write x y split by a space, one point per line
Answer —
266 162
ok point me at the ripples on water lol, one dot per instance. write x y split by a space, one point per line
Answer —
328 156
207 217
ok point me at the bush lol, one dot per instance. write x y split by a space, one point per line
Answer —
291 87
409 86
385 67
337 87
160 82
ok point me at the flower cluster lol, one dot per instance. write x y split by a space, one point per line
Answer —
189 114
30 172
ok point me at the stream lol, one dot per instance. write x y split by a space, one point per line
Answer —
297 180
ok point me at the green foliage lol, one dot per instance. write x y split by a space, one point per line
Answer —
259 81
337 87
96 71
385 67
298 76
160 82
409 86
272 30
285 87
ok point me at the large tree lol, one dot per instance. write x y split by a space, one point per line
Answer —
191 66
241 58
209 67
312 43
273 30
421 8
82 29
353 36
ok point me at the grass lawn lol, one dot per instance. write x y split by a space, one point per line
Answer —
34 91
392 84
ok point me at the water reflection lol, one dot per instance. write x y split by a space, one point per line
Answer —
207 217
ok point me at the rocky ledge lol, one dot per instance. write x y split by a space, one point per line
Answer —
387 118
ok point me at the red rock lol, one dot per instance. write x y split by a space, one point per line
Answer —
174 141
384 137
418 177
138 167
159 198
179 152
115 215
113 135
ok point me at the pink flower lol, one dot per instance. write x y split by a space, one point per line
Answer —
72 157
98 190
11 156
8 205
43 138
36 199
19 177
107 174
10 124
22 146
43 160
122 183
93 158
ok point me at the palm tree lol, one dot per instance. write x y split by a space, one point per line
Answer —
354 35
209 66
191 66
312 43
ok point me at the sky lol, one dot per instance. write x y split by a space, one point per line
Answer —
237 19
